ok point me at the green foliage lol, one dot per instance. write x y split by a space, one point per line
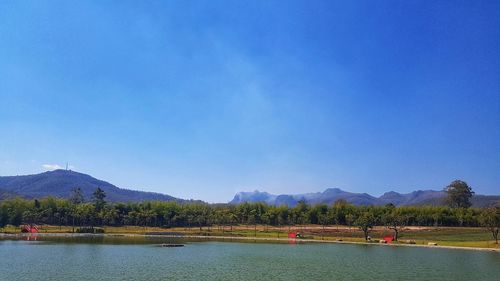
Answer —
365 221
98 199
76 196
459 194
3 217
395 220
490 219
95 230
56 211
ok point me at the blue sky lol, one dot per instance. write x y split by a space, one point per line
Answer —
201 99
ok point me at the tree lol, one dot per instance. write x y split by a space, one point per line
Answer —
490 219
108 216
171 213
76 196
459 194
396 222
323 219
349 220
13 211
233 218
266 219
365 222
282 217
252 219
98 199
85 214
145 216
3 218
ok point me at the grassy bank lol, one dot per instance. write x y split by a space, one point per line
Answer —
443 236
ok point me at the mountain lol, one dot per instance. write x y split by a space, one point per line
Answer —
419 197
7 194
330 195
60 183
485 200
255 196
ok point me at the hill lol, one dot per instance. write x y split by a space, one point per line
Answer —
60 183
7 194
330 195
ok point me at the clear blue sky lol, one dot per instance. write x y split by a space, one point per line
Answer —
201 99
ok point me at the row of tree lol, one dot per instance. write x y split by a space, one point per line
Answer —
76 212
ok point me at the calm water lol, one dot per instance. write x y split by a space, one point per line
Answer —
84 259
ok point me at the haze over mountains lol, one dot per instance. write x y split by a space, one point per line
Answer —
330 195
60 183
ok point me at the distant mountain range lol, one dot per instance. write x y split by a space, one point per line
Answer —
60 183
330 195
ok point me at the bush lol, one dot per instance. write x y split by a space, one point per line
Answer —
95 230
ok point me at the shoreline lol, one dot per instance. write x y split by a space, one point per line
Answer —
243 238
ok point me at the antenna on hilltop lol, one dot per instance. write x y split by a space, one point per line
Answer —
66 166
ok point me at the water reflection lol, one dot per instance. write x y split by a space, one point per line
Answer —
119 257
31 237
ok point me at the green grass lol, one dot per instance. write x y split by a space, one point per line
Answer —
444 236
458 235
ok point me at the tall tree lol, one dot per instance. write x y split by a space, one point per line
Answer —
75 199
396 222
490 219
459 194
98 199
365 222
3 218
76 196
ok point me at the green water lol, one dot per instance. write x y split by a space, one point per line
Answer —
143 259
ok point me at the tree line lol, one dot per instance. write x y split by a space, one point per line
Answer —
98 212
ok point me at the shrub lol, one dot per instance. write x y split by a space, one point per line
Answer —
95 230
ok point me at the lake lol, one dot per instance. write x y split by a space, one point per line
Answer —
142 259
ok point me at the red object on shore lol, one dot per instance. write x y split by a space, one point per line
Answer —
29 229
292 235
389 238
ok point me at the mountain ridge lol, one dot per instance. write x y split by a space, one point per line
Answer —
330 195
60 183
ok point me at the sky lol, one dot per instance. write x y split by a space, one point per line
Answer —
202 99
